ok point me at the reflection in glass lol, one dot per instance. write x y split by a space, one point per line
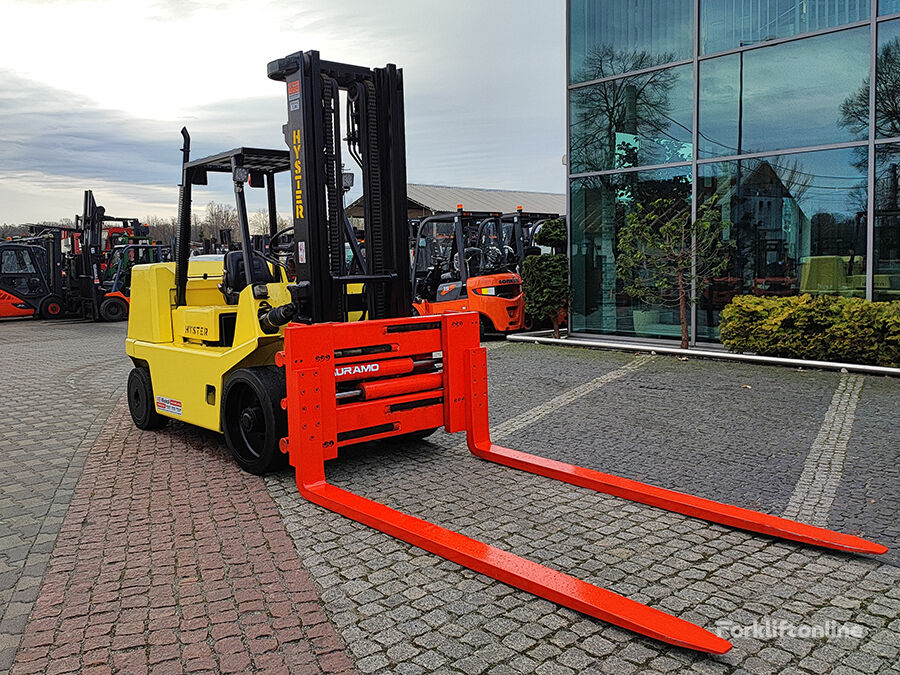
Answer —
633 121
600 205
784 96
728 25
888 7
618 36
797 223
886 281
887 83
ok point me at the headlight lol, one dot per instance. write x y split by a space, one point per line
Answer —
486 290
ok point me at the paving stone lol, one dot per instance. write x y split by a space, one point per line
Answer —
407 611
238 585
738 445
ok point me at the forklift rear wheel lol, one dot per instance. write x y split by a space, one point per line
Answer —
483 327
252 418
113 309
141 403
51 308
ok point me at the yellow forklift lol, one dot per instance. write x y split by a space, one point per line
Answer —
260 349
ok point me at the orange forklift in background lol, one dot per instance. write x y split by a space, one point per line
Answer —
462 263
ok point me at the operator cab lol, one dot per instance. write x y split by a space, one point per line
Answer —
514 235
439 273
255 167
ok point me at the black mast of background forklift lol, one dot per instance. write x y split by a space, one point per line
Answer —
376 142
88 267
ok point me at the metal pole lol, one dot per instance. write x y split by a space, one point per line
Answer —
695 140
870 193
273 209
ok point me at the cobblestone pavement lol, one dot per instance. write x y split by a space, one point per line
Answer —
59 382
172 560
732 432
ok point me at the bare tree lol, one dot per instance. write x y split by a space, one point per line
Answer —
162 229
639 106
259 222
219 217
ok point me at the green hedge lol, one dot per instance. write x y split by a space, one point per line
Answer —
825 328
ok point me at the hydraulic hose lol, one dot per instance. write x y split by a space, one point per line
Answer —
273 319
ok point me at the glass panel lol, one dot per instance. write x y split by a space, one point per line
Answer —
600 208
17 261
633 121
618 36
886 282
796 223
738 23
786 96
887 82
888 7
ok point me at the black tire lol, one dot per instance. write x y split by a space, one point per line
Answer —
252 418
482 328
114 309
51 308
141 403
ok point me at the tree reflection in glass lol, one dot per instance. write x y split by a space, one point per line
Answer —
886 280
798 225
855 108
600 207
633 121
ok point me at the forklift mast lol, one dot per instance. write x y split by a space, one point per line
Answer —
375 140
87 265
89 261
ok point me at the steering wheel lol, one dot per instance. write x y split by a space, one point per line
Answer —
275 246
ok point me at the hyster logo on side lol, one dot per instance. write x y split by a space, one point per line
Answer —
356 370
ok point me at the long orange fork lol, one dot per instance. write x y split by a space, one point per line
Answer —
479 441
316 356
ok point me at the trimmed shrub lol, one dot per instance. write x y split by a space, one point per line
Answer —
824 328
546 286
553 234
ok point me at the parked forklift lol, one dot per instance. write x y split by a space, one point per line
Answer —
115 283
462 262
80 271
235 346
515 231
32 281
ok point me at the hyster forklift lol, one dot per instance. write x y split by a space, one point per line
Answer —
233 346
462 263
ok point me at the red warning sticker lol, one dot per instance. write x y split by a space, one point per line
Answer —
294 87
168 405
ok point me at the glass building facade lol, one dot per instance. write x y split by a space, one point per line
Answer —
775 123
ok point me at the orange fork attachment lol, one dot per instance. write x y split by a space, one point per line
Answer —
337 394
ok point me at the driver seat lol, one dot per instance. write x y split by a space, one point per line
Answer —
234 278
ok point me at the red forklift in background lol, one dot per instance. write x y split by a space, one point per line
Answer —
32 278
463 263
516 231
74 271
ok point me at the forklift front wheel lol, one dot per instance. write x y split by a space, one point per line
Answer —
141 403
51 308
113 309
252 418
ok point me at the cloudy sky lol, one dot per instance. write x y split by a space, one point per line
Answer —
93 93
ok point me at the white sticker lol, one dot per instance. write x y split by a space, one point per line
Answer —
168 405
295 105
301 252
